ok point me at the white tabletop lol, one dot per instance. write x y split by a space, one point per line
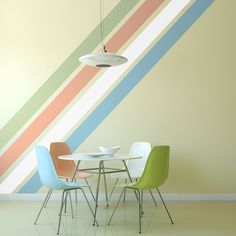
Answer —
87 157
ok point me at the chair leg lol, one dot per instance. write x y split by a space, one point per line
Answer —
66 199
105 184
90 189
72 212
63 200
153 197
44 203
142 203
140 212
116 206
76 195
113 189
89 206
124 192
172 222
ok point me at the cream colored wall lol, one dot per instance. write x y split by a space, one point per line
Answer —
35 39
188 102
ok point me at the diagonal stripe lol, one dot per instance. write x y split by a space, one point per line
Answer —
107 80
126 85
130 81
22 170
62 73
73 88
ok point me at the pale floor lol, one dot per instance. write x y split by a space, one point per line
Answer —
191 218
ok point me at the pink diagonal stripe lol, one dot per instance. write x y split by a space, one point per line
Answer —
74 87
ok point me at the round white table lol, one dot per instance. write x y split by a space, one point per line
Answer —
100 158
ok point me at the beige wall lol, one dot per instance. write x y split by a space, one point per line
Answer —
37 37
187 100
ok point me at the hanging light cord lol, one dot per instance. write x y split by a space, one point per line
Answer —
102 25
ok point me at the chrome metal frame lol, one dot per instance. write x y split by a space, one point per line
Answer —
140 206
172 222
65 193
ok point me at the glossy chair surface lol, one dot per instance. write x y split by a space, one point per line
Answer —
50 179
154 175
136 166
65 168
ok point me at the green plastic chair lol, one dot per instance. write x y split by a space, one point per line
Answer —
154 175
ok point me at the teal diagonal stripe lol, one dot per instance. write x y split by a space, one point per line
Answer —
63 72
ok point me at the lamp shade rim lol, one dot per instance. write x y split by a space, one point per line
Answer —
103 59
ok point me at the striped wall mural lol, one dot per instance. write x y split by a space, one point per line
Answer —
103 89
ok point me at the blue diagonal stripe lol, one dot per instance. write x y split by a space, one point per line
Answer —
132 79
137 73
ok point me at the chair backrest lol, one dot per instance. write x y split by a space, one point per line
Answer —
156 168
61 166
46 169
142 149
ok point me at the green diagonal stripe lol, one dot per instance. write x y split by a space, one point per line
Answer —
63 72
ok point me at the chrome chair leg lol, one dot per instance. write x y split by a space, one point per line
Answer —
116 207
142 203
124 192
76 195
44 202
113 189
97 190
90 189
50 190
63 200
172 222
105 183
140 212
95 219
150 191
72 211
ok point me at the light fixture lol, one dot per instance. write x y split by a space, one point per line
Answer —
102 58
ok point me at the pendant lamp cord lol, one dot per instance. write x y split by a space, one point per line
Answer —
102 25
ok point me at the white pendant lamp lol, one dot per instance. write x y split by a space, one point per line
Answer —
102 58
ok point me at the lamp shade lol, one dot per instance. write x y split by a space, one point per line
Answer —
103 59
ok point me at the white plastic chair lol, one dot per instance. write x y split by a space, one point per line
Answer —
136 166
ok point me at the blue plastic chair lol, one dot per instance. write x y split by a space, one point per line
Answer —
154 175
50 179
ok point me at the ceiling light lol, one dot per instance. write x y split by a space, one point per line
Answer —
103 58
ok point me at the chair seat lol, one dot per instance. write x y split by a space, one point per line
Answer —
72 185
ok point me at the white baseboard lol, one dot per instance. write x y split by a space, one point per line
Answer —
129 197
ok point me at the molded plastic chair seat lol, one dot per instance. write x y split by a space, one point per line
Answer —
136 166
154 175
67 168
50 179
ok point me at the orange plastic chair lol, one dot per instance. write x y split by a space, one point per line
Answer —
66 169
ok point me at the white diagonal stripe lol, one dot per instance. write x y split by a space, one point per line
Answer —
95 92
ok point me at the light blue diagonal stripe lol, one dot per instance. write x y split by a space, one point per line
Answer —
132 79
137 73
33 185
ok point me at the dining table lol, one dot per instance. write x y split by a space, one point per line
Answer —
99 159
